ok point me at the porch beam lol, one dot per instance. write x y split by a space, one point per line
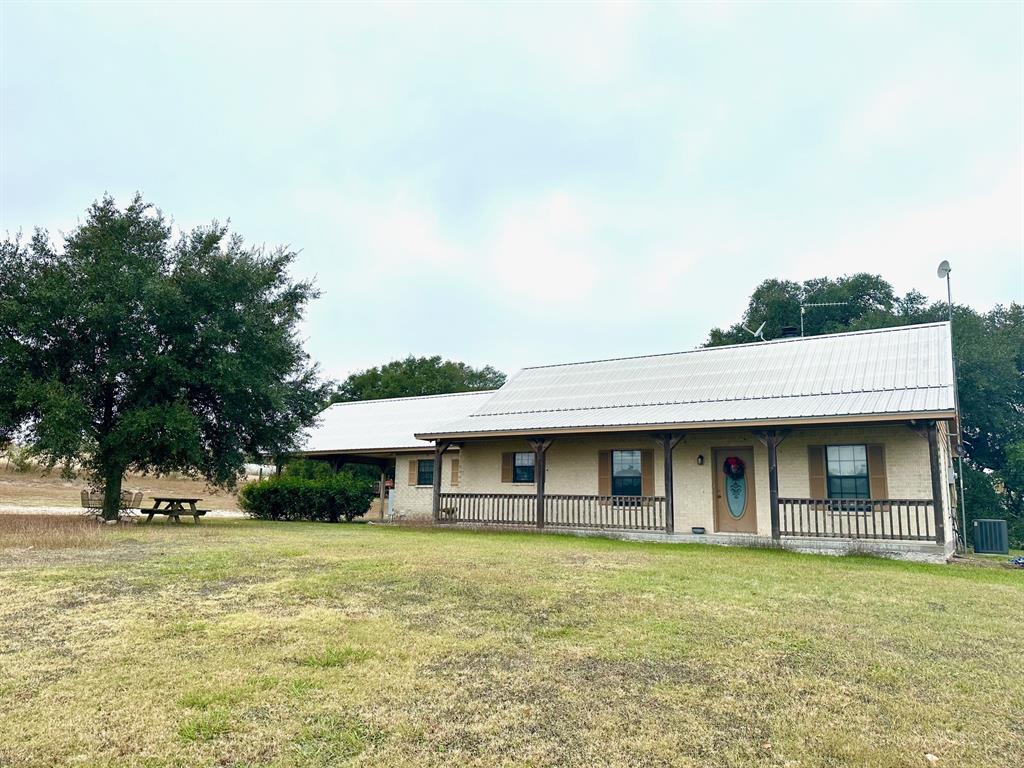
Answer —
439 448
771 439
540 447
668 441
933 458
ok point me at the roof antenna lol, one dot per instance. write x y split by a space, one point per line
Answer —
818 304
758 334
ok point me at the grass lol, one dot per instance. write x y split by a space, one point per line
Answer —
50 532
241 643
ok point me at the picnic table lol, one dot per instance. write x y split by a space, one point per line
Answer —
174 508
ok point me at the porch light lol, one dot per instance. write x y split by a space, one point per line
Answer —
700 459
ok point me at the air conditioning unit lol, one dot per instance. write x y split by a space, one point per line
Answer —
991 537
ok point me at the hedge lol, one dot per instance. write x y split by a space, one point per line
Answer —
324 499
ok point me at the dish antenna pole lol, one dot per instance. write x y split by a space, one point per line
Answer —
758 334
943 272
820 304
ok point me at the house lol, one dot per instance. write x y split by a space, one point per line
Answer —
827 443
380 433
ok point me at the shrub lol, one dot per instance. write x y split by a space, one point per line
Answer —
325 499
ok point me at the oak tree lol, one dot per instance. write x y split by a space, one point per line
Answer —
126 348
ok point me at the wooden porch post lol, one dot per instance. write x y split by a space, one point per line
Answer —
771 439
540 450
383 490
933 456
668 441
439 448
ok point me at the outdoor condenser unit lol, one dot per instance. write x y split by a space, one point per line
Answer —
990 537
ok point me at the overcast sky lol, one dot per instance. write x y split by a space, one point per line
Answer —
527 184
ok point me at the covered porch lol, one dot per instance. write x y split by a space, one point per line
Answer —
682 487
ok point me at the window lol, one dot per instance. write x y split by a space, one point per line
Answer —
847 472
522 467
626 473
425 472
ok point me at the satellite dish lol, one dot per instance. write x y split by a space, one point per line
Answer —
944 269
759 333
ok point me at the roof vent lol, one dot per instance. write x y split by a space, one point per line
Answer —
789 332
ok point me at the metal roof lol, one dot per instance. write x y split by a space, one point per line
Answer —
905 371
387 425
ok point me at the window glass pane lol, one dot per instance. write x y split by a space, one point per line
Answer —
626 480
847 472
425 472
522 467
524 459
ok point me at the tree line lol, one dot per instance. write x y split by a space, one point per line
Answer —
124 348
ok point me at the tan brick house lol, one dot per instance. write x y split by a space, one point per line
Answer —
825 443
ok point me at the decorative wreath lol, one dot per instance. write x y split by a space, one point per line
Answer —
734 467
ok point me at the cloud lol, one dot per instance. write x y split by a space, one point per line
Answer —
979 230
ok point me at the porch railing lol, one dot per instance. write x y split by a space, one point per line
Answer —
488 508
631 513
894 519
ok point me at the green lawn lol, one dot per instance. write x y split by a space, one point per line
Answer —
240 643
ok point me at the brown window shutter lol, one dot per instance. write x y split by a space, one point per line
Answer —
816 471
455 472
876 472
413 466
647 472
506 467
604 473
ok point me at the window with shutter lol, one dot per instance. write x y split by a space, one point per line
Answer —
846 467
626 473
425 472
523 467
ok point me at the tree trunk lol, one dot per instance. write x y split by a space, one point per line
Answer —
112 495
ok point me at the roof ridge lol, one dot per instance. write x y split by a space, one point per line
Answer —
783 340
413 397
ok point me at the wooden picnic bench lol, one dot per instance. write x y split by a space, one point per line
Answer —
175 508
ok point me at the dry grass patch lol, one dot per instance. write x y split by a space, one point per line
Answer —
36 488
245 643
50 532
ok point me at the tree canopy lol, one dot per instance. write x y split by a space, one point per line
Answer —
128 349
989 352
417 376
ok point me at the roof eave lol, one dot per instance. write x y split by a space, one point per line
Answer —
742 423
365 451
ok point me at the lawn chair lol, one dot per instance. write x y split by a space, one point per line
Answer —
131 503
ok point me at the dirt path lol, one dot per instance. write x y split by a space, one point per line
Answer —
49 492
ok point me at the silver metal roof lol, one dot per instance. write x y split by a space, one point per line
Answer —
386 425
892 372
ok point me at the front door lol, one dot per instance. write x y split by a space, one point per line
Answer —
735 504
